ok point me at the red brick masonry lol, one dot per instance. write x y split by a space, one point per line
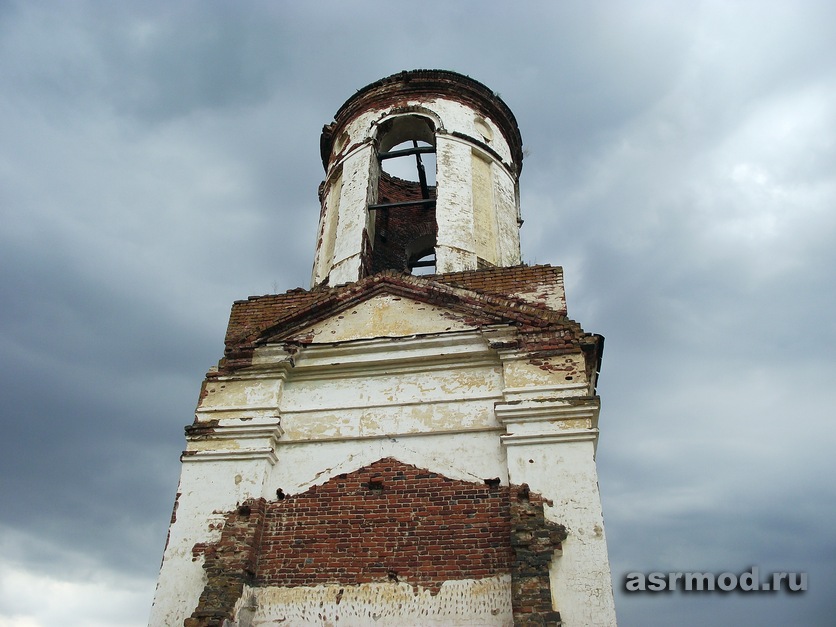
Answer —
389 521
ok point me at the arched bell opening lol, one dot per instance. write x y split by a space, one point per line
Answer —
406 194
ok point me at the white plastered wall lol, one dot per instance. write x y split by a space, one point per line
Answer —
355 193
424 399
460 603
564 472
328 229
551 432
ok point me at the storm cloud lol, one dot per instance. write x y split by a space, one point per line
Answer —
160 160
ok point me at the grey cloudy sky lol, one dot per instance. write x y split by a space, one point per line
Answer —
160 160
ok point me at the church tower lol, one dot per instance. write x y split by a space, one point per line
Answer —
412 440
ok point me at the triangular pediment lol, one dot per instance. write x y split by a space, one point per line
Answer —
386 315
390 305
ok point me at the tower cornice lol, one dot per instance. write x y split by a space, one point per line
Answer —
423 84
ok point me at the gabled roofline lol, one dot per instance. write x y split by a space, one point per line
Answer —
542 330
485 308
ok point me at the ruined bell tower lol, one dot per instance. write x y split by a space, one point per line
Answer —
412 440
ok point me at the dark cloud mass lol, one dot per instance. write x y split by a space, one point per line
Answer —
160 160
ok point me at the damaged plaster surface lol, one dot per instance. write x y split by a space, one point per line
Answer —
479 388
456 604
479 157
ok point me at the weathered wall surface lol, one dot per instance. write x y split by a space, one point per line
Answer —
550 446
389 543
419 384
396 449
353 219
462 603
390 316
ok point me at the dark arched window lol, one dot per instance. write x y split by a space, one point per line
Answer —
405 225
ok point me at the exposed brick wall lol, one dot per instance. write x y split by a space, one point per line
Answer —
385 522
388 521
396 229
504 281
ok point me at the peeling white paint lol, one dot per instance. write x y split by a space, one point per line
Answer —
551 446
458 603
207 491
389 316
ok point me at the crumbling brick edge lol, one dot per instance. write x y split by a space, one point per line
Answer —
534 541
229 564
